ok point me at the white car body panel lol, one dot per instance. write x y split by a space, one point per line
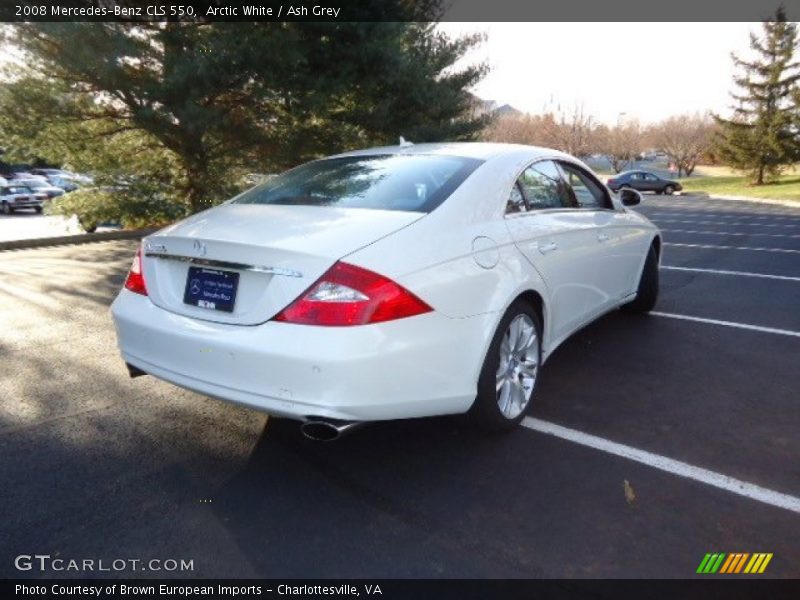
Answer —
465 259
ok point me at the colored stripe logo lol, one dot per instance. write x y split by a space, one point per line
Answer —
736 562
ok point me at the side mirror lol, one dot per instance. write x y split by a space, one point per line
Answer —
629 197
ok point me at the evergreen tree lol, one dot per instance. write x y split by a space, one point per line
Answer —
761 137
215 99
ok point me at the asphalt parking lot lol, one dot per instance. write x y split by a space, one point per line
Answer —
692 415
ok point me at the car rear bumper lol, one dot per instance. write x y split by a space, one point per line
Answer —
421 366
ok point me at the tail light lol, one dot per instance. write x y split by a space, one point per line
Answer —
349 295
611 182
135 280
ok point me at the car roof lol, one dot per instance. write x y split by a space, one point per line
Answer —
639 171
479 150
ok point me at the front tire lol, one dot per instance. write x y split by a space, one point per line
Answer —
669 190
647 292
508 378
7 210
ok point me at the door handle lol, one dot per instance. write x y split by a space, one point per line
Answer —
547 247
602 237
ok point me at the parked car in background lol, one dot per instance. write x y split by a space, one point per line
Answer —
388 283
65 182
80 178
14 197
41 186
643 181
18 175
49 172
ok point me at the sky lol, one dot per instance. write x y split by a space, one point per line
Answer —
647 71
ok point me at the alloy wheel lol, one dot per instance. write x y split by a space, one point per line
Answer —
518 366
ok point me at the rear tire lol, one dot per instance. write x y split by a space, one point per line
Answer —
647 292
508 378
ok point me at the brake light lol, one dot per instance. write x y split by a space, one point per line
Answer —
611 182
135 280
349 295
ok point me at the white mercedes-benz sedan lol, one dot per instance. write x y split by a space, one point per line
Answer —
396 282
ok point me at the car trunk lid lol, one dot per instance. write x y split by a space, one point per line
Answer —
276 252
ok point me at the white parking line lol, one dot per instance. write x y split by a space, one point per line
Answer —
727 324
723 272
675 467
726 224
777 217
715 247
706 232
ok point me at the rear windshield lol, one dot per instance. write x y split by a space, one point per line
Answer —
416 183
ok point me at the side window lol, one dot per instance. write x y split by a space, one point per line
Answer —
588 193
516 203
543 187
650 177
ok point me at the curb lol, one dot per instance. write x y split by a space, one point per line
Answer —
84 238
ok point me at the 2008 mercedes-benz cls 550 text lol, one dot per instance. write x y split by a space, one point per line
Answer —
388 283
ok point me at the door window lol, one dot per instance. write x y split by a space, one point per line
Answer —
587 192
543 187
516 203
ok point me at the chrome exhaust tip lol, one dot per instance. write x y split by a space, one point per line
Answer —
327 431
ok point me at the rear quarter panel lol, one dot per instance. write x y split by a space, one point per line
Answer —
439 259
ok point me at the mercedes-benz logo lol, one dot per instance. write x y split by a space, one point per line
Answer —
195 287
200 248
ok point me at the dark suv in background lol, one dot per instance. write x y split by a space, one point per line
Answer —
643 182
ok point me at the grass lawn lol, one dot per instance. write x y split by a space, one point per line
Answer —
787 187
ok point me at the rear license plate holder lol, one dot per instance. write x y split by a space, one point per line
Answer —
212 289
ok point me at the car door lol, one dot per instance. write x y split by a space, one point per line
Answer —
638 182
616 259
558 241
653 182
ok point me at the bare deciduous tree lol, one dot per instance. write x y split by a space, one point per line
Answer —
622 143
684 139
517 129
570 130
